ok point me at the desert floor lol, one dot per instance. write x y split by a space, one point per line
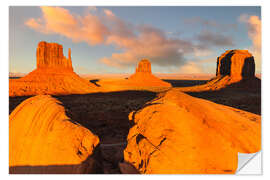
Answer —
106 114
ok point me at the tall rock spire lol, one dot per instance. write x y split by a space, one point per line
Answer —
69 53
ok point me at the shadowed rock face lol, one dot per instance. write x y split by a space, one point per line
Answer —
54 75
236 63
50 55
235 68
43 139
179 134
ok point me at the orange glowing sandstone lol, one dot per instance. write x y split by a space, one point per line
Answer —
43 139
180 134
54 75
234 68
142 79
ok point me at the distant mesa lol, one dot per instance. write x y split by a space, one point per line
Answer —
143 76
237 64
142 79
235 68
44 140
54 75
179 134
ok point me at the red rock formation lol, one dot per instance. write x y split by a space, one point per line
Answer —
236 63
235 68
179 134
43 139
50 55
144 66
144 77
53 75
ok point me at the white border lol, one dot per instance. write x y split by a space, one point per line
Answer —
4 73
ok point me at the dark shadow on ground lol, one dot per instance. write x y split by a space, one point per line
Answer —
104 114
244 95
14 77
94 81
185 83
15 101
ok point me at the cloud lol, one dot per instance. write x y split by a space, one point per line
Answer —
202 51
190 68
57 20
212 34
150 43
253 24
134 41
209 24
108 12
92 8
209 38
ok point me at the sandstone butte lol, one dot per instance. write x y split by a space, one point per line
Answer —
42 139
142 79
179 134
235 68
54 75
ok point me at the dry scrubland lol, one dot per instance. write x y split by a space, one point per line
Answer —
140 124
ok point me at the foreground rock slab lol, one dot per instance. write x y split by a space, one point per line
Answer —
42 139
180 134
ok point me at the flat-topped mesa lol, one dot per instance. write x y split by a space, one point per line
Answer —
237 64
144 66
50 55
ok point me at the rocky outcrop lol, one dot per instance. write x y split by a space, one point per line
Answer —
144 66
235 68
54 75
43 139
50 55
144 77
236 63
180 134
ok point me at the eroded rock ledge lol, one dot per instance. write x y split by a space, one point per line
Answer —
180 134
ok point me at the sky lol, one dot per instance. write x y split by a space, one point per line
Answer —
104 40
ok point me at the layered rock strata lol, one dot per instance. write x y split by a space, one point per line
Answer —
43 139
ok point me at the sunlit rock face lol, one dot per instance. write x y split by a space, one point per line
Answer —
179 134
144 77
236 63
54 75
43 139
144 66
235 68
50 55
